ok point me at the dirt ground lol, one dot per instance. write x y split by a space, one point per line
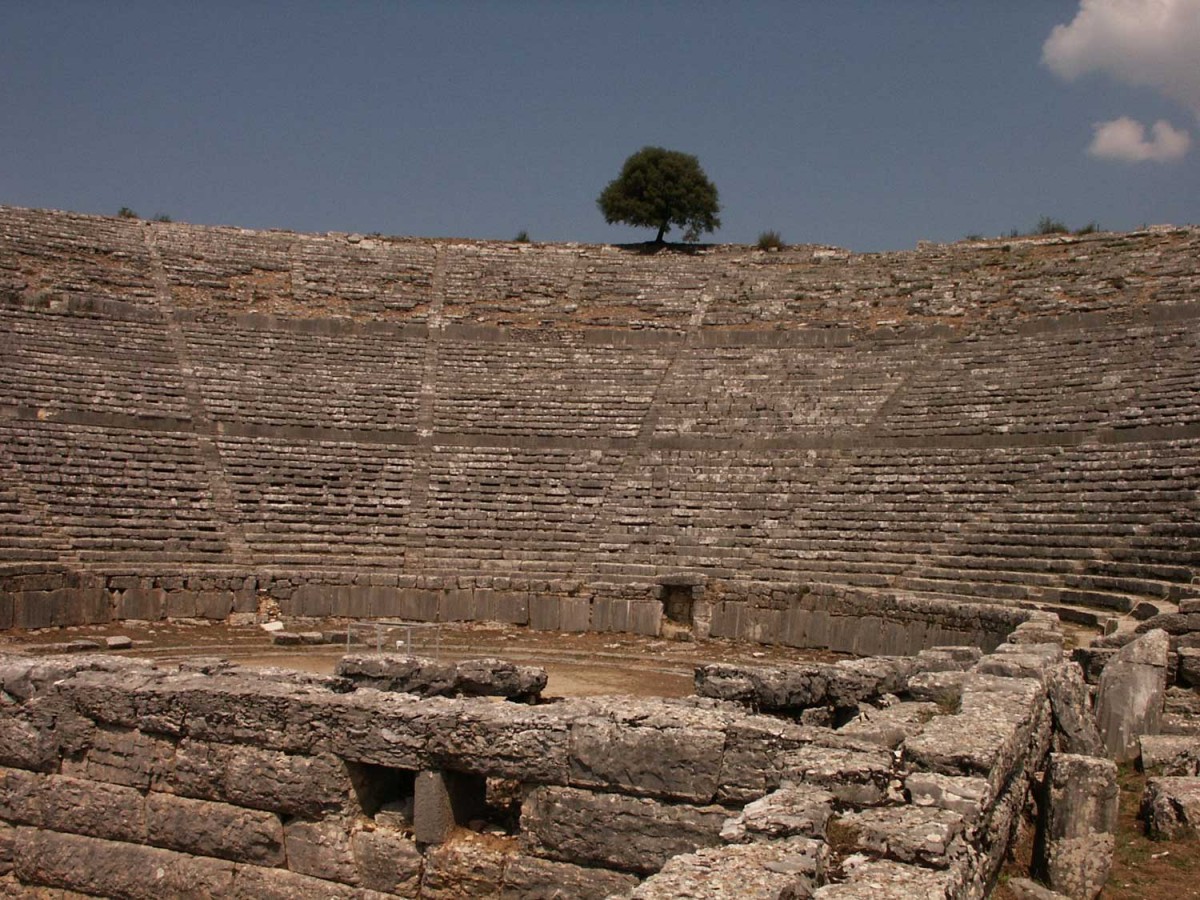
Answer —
588 665
578 665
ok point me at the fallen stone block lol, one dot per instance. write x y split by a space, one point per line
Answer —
1129 701
1171 808
1028 889
941 687
286 639
1170 754
947 659
118 642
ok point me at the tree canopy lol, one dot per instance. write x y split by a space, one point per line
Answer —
659 188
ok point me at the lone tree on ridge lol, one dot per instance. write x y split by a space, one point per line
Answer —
659 188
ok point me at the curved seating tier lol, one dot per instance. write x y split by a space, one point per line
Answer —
1014 423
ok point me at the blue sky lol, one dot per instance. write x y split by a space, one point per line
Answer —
866 125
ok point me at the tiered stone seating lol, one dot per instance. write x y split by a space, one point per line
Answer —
230 270
675 509
364 277
1015 421
1086 528
767 391
53 255
572 286
997 282
320 501
507 508
22 536
115 493
553 390
272 375
1170 394
1067 380
83 361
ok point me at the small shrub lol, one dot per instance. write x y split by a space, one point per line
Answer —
973 236
1047 225
126 213
161 217
1089 228
770 240
522 237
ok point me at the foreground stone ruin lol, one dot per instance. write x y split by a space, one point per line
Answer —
123 778
929 460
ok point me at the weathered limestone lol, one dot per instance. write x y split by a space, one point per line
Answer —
626 833
1074 721
286 784
780 870
1170 754
1077 832
795 810
1171 807
431 678
1129 701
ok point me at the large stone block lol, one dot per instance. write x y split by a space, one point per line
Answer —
575 614
1078 825
923 835
1171 808
1129 701
92 808
667 761
321 848
470 866
282 783
387 861
634 834
1074 722
116 869
142 603
1170 754
532 878
205 828
545 613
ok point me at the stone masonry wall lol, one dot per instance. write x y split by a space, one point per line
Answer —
126 778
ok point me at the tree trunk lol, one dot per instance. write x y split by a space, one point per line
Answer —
662 229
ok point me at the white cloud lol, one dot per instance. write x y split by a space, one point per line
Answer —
1124 140
1151 43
